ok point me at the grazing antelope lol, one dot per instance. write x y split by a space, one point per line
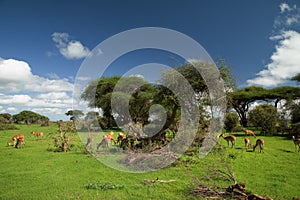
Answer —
121 136
247 143
297 143
20 143
250 133
37 134
260 144
105 143
229 138
109 137
89 141
15 138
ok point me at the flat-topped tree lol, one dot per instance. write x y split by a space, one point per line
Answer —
241 100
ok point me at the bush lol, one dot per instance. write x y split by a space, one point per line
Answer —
8 127
231 121
266 117
295 113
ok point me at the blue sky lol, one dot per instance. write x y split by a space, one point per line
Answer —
43 43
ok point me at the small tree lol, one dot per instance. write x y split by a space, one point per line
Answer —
231 121
75 115
266 117
64 140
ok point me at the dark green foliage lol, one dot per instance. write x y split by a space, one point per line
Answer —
266 117
8 127
29 117
241 100
63 140
295 113
231 121
75 114
296 78
6 118
97 185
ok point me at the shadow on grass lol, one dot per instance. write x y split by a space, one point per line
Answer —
286 151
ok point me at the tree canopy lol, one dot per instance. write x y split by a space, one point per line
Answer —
30 117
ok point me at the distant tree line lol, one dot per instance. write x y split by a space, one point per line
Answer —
25 117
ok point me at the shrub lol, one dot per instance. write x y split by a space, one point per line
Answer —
295 113
266 117
231 121
8 127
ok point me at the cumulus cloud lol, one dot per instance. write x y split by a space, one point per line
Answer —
16 76
284 61
21 90
69 49
14 70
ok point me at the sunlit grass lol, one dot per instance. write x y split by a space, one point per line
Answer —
37 173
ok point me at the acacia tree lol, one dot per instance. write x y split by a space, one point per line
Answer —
122 90
287 93
241 100
75 114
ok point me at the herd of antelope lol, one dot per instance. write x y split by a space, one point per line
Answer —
259 142
18 140
106 140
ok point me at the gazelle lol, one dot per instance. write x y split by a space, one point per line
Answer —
15 138
121 136
37 134
109 137
250 133
297 143
247 143
89 141
260 144
105 143
228 139
20 143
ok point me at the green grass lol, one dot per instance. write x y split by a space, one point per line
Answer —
36 173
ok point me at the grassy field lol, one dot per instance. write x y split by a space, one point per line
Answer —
37 173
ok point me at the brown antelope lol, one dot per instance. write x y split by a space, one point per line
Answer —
20 143
105 143
250 133
109 137
297 143
37 134
121 136
229 138
89 141
247 143
260 144
15 138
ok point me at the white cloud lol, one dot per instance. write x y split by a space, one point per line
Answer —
289 15
53 76
284 63
53 95
69 49
11 109
14 71
284 7
22 90
15 99
16 76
